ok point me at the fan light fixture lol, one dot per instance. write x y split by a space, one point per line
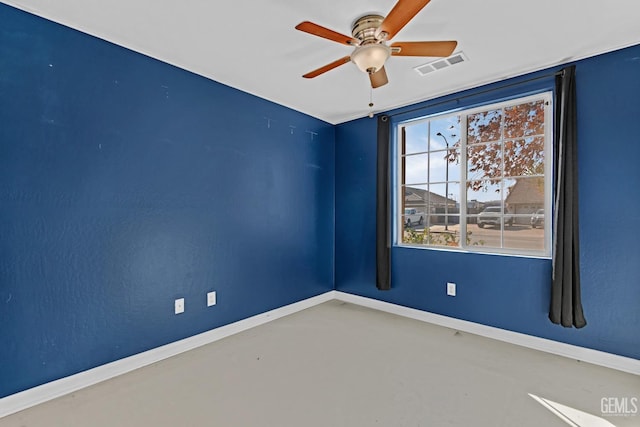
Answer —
369 58
369 36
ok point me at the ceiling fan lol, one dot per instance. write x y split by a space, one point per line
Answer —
369 36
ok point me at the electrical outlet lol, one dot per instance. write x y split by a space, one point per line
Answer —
211 298
451 289
179 305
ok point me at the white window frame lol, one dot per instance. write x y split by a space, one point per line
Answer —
398 204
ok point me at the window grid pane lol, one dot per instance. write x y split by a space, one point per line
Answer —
483 191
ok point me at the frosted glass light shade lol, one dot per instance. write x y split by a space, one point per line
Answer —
370 58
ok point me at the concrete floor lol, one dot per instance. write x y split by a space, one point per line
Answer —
339 364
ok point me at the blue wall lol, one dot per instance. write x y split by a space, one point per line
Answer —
510 292
126 183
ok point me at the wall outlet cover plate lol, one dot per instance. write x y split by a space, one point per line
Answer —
451 289
211 298
179 306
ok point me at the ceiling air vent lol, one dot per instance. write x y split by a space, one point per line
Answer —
439 64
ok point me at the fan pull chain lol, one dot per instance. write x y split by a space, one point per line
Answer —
371 103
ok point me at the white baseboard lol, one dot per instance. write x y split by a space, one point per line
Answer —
608 360
45 392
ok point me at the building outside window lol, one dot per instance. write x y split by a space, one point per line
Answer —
477 179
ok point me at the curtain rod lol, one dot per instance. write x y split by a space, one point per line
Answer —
531 79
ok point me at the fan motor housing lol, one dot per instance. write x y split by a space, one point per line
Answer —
365 27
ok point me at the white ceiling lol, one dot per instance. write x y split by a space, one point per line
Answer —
252 44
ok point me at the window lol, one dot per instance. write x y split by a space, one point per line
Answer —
478 179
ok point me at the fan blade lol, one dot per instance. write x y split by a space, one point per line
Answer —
320 31
399 16
444 48
328 67
379 78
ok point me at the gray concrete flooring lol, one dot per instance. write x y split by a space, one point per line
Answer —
339 364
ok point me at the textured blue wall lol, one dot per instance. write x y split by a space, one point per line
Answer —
511 292
126 183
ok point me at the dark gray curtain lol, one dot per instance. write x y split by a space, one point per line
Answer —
566 305
383 208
